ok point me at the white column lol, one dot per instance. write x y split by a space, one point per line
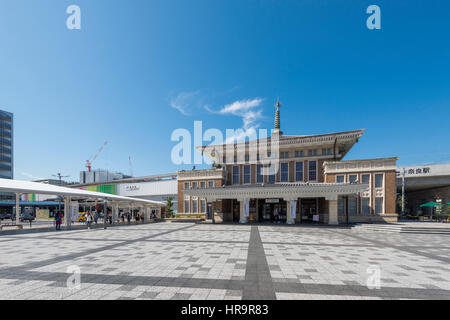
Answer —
67 213
105 213
291 207
333 212
158 212
147 213
244 210
116 207
17 208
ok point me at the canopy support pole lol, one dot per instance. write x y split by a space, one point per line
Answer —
17 208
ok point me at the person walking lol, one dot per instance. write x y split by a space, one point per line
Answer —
129 218
95 217
89 219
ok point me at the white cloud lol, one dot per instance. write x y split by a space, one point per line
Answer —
250 113
30 176
240 107
184 101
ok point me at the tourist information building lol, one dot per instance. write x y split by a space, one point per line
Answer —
291 179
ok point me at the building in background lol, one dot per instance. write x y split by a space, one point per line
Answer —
99 176
424 183
309 181
155 187
6 145
6 150
55 182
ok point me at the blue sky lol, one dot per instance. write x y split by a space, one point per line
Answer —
137 70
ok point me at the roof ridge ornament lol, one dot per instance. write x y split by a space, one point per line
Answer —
277 115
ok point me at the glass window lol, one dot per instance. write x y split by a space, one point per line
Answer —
352 178
194 185
379 205
379 180
324 152
365 179
247 157
352 205
211 184
298 154
186 206
203 185
224 159
340 179
236 175
271 178
186 185
299 171
310 153
195 206
259 176
235 159
312 170
284 172
246 174
284 155
203 206
341 205
365 205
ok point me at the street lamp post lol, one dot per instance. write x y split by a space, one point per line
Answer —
403 192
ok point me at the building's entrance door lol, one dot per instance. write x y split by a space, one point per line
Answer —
272 210
309 210
209 211
236 211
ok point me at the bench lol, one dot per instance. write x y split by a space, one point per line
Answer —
12 224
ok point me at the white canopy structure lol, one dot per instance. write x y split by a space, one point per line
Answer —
19 187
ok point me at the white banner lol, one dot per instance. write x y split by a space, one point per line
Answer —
293 209
246 208
74 208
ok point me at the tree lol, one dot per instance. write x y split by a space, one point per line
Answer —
170 207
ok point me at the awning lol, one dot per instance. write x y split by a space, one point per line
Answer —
430 204
31 203
292 191
18 186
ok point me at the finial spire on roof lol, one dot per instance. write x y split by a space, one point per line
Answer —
277 115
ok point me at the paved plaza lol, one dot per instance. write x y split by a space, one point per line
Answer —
225 262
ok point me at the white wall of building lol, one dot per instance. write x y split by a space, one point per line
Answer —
431 170
152 188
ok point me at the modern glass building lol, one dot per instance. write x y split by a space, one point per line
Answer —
6 149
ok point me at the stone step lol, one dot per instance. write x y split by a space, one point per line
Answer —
402 229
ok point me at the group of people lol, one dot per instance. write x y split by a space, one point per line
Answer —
93 216
139 216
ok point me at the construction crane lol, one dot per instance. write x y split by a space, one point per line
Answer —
89 162
131 167
60 176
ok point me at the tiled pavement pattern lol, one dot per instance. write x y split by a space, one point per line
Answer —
204 261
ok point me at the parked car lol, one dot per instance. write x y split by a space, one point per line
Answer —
81 217
7 215
27 217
